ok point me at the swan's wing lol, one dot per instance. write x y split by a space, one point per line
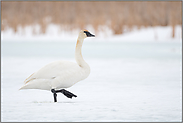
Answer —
28 79
54 69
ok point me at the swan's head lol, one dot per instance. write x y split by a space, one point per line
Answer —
85 33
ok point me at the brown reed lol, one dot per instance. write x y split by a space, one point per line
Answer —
79 14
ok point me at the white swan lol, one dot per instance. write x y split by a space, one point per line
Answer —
61 74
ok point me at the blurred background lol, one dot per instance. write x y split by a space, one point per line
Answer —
105 18
135 60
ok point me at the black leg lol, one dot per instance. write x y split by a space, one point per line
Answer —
55 97
54 94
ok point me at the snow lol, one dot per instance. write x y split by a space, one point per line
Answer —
104 33
129 82
153 34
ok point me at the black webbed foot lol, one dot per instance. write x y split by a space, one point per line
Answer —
63 91
66 93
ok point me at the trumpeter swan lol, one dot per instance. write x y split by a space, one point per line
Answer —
59 75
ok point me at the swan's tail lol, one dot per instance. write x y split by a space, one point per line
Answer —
42 84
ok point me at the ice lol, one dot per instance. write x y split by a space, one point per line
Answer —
129 82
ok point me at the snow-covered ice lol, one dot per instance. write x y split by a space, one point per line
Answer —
129 81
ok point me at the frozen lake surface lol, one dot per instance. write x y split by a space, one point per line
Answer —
129 81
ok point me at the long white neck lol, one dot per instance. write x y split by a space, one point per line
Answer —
78 54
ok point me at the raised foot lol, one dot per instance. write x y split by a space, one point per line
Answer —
67 93
63 91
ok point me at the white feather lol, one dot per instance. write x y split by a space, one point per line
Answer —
60 74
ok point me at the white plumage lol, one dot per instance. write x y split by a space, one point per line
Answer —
61 74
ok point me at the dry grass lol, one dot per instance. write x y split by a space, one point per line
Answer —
77 14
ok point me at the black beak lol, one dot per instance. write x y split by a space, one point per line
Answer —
88 34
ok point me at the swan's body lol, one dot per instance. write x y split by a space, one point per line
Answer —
61 74
57 75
